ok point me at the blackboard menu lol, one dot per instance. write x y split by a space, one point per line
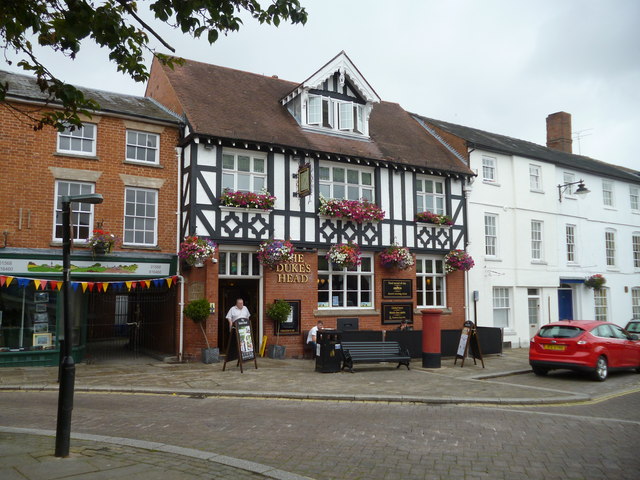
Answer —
401 288
396 312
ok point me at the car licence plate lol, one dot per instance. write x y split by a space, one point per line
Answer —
554 347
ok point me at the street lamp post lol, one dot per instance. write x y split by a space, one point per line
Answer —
67 366
581 190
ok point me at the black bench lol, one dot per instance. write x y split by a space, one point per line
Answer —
373 352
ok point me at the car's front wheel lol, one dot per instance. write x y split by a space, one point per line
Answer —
602 370
541 372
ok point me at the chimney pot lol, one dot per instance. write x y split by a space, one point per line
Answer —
559 132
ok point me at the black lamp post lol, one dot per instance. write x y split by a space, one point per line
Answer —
67 366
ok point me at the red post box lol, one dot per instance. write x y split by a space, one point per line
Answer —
431 352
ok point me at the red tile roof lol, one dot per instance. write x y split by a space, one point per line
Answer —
226 103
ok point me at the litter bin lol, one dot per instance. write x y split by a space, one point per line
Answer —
329 358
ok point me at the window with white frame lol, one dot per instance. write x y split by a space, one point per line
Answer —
345 287
536 240
81 213
430 282
323 111
535 178
430 195
570 236
607 193
490 235
140 216
634 198
533 306
610 247
244 172
238 264
601 304
80 140
635 247
346 183
501 307
635 303
142 147
489 169
568 177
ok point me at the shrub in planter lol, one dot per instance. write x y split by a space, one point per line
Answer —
199 311
279 312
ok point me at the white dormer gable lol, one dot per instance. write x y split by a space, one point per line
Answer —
335 100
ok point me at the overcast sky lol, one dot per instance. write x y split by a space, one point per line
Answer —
497 65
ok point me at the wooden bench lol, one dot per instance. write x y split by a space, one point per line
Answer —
373 352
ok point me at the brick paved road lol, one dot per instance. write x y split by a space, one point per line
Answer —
367 440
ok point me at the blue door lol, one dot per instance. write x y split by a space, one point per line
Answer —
565 304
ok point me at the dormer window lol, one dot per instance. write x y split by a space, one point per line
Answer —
336 100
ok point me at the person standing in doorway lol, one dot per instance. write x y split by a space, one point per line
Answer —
237 311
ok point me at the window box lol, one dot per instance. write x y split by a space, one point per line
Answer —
432 225
247 200
360 211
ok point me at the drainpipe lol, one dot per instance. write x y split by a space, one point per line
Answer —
180 277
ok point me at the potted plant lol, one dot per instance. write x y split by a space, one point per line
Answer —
271 253
396 256
345 255
279 312
101 242
199 311
196 250
435 218
458 260
359 211
595 281
260 201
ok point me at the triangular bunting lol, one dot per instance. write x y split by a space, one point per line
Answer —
74 285
105 285
84 286
9 280
37 284
2 280
53 284
24 282
157 282
43 284
147 283
169 281
128 284
91 285
59 285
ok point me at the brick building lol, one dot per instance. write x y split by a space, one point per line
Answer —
328 137
125 298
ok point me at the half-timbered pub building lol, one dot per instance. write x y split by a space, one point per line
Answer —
328 137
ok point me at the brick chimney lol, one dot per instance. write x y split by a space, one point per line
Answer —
559 131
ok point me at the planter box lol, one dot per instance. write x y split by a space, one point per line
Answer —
276 351
210 355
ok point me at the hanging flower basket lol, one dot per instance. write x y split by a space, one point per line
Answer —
437 219
196 250
396 256
259 201
345 255
272 253
101 242
458 260
595 281
359 211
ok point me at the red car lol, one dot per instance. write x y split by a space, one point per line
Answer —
584 345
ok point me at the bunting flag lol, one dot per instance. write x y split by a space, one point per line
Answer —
42 284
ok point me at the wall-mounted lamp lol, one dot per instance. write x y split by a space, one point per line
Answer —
581 190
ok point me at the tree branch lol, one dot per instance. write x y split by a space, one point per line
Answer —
132 12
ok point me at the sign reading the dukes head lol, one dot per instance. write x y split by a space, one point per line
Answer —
295 271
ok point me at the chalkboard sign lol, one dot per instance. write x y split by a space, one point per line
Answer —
241 345
469 338
397 288
397 312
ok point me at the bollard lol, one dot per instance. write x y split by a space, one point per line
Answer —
431 352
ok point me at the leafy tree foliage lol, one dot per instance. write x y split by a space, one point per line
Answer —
117 26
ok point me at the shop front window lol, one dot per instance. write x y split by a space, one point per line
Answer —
345 287
27 318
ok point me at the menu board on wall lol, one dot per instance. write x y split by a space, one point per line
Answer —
401 288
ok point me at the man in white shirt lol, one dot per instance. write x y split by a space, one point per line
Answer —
237 311
312 335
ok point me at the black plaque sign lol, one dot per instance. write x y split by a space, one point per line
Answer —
399 288
393 313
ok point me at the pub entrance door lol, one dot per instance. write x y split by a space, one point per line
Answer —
229 291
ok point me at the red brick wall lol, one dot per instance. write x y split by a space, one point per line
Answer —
160 89
27 182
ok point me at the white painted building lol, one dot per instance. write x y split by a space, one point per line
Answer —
535 243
